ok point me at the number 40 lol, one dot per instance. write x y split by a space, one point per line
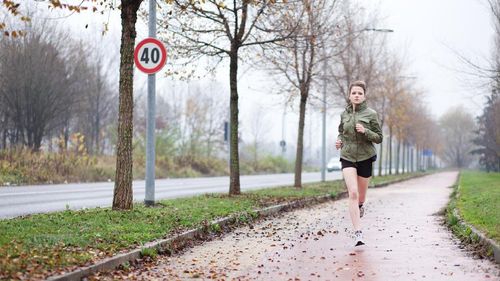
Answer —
155 55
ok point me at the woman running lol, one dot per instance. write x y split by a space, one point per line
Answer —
359 129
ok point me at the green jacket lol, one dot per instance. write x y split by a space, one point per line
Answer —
357 146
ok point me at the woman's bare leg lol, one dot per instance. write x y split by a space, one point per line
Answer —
362 189
351 181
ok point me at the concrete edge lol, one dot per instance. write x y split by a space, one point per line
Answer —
171 244
482 238
397 181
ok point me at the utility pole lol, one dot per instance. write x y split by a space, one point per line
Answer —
283 133
323 141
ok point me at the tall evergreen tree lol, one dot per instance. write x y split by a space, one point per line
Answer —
488 135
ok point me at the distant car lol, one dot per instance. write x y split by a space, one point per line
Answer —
334 164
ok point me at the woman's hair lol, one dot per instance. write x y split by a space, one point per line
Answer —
358 83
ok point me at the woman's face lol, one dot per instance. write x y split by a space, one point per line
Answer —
357 95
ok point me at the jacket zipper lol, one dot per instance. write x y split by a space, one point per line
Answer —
355 133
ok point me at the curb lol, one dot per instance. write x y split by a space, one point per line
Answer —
171 244
384 184
483 240
177 242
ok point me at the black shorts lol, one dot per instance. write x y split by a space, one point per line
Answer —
364 168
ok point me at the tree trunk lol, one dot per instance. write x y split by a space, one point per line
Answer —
380 157
234 168
420 160
404 157
4 139
390 151
408 164
37 139
96 147
498 164
300 138
29 137
15 139
256 156
417 158
122 198
65 133
410 158
97 124
398 155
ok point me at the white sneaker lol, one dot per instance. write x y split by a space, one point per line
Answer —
358 238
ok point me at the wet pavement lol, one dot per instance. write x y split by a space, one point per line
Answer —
404 235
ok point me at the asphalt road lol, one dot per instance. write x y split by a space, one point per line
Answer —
22 200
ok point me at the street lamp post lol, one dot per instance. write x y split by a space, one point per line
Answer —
323 141
283 133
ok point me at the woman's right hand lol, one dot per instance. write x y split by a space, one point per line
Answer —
338 144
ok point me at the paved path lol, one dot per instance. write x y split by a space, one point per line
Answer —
405 241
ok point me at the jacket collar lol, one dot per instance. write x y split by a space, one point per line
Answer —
362 106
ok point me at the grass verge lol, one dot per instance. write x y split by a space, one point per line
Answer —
36 246
476 198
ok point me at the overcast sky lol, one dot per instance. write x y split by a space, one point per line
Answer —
431 31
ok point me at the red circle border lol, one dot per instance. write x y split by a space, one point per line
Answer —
162 49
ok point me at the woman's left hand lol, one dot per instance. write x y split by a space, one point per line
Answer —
360 128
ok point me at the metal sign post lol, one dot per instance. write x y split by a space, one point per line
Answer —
150 56
149 199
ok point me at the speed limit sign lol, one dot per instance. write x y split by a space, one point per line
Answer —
150 55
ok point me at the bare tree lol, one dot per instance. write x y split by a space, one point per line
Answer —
194 115
189 123
360 56
40 78
388 88
298 59
97 104
488 135
258 130
122 195
212 28
4 127
487 76
202 117
457 126
216 113
16 13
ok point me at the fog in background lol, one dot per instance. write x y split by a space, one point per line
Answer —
429 34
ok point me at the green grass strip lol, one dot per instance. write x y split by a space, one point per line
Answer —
38 245
479 201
